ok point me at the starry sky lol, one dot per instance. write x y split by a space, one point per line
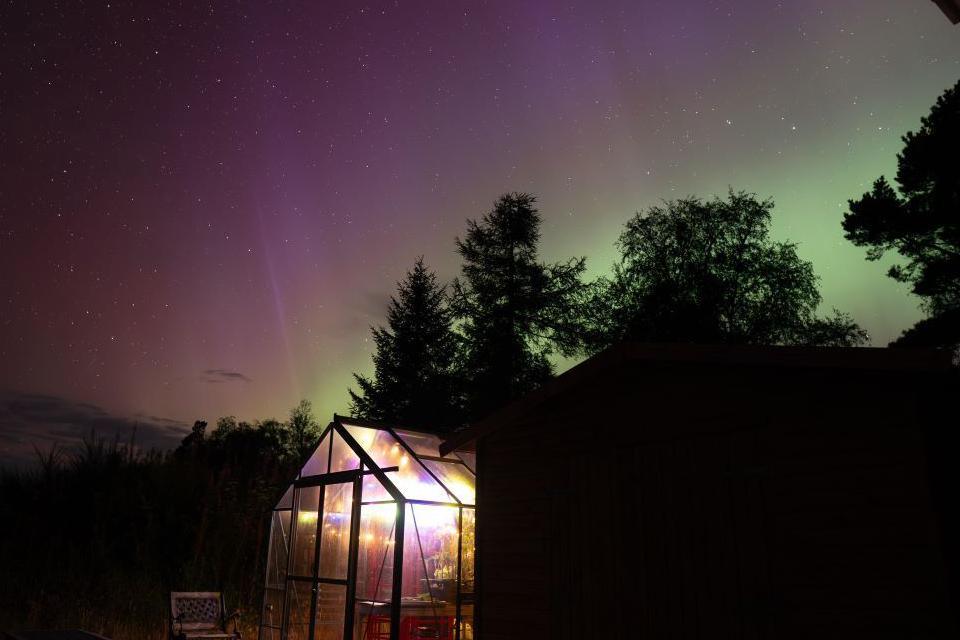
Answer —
203 207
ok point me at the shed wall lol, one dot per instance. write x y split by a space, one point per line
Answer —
699 502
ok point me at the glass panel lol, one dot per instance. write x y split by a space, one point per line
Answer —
331 604
375 552
430 558
455 477
298 610
468 549
272 607
466 574
373 489
320 459
277 551
305 540
344 458
424 444
469 458
412 479
379 445
286 501
335 540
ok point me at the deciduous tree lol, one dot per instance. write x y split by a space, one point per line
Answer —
707 271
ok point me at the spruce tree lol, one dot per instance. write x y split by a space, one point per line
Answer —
513 311
413 382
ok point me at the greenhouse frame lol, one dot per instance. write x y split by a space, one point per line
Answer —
374 540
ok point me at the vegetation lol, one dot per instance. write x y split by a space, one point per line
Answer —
707 271
920 221
95 526
690 271
446 359
414 381
513 310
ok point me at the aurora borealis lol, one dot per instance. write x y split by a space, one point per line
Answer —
204 208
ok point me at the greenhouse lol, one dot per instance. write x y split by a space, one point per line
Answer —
374 540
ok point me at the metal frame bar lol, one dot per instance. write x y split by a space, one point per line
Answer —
477 547
424 456
397 586
352 555
456 633
330 449
338 477
426 503
294 516
339 581
369 462
314 583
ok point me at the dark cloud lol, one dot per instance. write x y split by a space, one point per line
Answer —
29 421
214 376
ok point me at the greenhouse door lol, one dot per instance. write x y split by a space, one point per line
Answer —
323 563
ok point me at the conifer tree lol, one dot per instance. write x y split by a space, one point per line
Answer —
920 221
513 311
413 381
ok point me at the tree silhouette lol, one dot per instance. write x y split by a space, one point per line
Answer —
304 429
707 272
512 310
921 222
413 381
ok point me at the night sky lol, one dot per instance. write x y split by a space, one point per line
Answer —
204 208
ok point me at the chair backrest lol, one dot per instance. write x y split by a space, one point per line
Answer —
196 610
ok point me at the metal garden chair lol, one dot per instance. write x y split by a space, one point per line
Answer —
200 615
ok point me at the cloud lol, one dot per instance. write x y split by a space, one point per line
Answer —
31 420
216 376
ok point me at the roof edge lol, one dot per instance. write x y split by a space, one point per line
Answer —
851 358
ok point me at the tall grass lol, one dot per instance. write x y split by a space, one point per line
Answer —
97 538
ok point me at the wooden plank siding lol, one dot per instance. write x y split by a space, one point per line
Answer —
688 501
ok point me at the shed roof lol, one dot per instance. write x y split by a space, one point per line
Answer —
774 357
950 8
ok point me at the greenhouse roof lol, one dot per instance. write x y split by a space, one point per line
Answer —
398 464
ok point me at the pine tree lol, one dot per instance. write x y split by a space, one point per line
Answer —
920 220
513 311
413 382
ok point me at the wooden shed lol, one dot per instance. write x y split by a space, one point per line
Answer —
720 492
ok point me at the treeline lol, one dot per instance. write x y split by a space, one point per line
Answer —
97 538
690 270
